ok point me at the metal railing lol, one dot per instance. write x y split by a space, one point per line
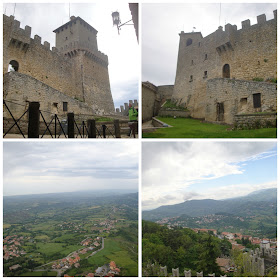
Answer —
57 127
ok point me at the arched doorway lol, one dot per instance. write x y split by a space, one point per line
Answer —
226 71
13 66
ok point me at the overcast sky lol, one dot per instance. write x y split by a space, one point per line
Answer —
173 172
33 167
122 50
161 24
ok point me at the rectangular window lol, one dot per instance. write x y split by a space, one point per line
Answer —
205 74
191 78
257 100
65 105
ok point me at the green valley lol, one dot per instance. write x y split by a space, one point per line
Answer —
75 234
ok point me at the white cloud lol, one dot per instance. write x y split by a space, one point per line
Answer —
43 167
170 168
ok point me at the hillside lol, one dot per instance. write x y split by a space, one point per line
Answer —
254 214
254 203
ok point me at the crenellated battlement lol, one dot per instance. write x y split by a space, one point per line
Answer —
73 48
22 37
261 19
19 36
123 110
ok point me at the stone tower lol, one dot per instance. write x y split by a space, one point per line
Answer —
77 40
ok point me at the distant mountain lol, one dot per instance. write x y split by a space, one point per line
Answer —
260 195
261 202
68 199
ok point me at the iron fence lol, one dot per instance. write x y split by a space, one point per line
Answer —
57 126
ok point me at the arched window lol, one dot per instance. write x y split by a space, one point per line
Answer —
13 66
226 71
189 41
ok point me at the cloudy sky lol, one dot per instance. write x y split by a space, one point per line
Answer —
161 24
173 172
47 167
122 50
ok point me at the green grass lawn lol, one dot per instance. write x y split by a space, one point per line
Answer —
191 128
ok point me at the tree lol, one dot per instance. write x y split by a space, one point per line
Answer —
209 251
225 247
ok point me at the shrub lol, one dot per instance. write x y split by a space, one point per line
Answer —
268 124
271 80
170 105
257 124
257 79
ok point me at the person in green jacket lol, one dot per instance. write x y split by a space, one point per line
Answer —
133 119
133 114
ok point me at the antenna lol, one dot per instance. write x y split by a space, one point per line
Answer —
14 9
69 10
220 14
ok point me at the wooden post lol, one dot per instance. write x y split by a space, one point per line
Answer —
91 129
71 128
104 130
33 120
117 128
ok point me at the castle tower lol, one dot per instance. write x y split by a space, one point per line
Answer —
77 40
206 64
74 69
76 33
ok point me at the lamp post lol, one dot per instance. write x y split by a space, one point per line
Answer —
117 21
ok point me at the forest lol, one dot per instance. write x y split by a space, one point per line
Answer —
181 248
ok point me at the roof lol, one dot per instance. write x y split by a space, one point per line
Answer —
73 19
222 262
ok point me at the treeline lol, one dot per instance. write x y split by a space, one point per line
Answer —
181 248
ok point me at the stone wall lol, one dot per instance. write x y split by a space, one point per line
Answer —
76 69
171 113
22 89
150 101
237 97
244 54
165 92
255 120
